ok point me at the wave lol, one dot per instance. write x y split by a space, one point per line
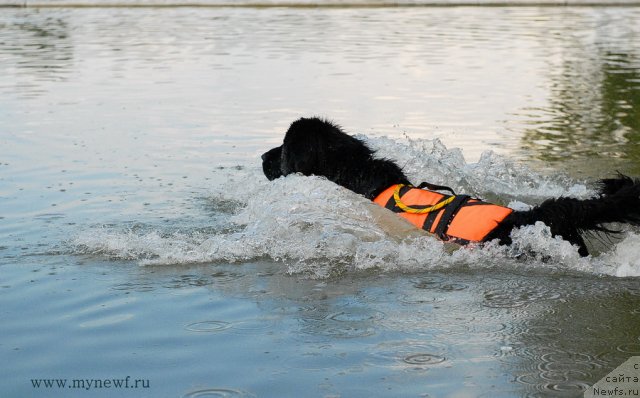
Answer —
321 230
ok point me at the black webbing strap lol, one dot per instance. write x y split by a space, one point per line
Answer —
428 222
434 187
391 203
449 212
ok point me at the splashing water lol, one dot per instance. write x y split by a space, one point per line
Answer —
320 229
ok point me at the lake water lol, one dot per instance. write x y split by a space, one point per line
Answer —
139 240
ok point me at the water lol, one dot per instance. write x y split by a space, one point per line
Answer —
139 238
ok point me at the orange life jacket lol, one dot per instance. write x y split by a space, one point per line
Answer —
459 218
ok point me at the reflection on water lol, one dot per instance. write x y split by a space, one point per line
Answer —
594 102
552 84
34 47
593 118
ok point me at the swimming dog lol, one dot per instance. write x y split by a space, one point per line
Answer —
314 146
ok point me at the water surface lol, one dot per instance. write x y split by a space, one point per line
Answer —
139 238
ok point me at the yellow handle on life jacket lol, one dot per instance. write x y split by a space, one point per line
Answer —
409 209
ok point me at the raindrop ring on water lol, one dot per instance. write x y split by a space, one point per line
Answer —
218 393
423 359
208 326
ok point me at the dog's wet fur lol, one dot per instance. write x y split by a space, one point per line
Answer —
314 146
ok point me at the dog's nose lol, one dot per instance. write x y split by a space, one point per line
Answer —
264 155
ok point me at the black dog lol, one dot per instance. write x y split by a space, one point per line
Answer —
318 147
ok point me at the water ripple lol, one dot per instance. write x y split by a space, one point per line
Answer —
409 354
348 322
632 348
218 393
208 326
514 298
423 359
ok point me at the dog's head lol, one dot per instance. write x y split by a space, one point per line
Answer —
313 146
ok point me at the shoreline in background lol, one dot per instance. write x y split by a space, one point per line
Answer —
311 3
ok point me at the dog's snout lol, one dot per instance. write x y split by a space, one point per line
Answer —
271 163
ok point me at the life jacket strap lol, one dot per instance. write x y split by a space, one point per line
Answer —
434 187
448 215
429 220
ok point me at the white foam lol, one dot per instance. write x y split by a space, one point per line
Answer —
624 260
492 176
317 228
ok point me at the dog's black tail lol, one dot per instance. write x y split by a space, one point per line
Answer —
609 186
618 202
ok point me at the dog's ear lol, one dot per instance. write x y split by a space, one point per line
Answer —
319 147
306 148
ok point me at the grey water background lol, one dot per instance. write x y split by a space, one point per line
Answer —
139 238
